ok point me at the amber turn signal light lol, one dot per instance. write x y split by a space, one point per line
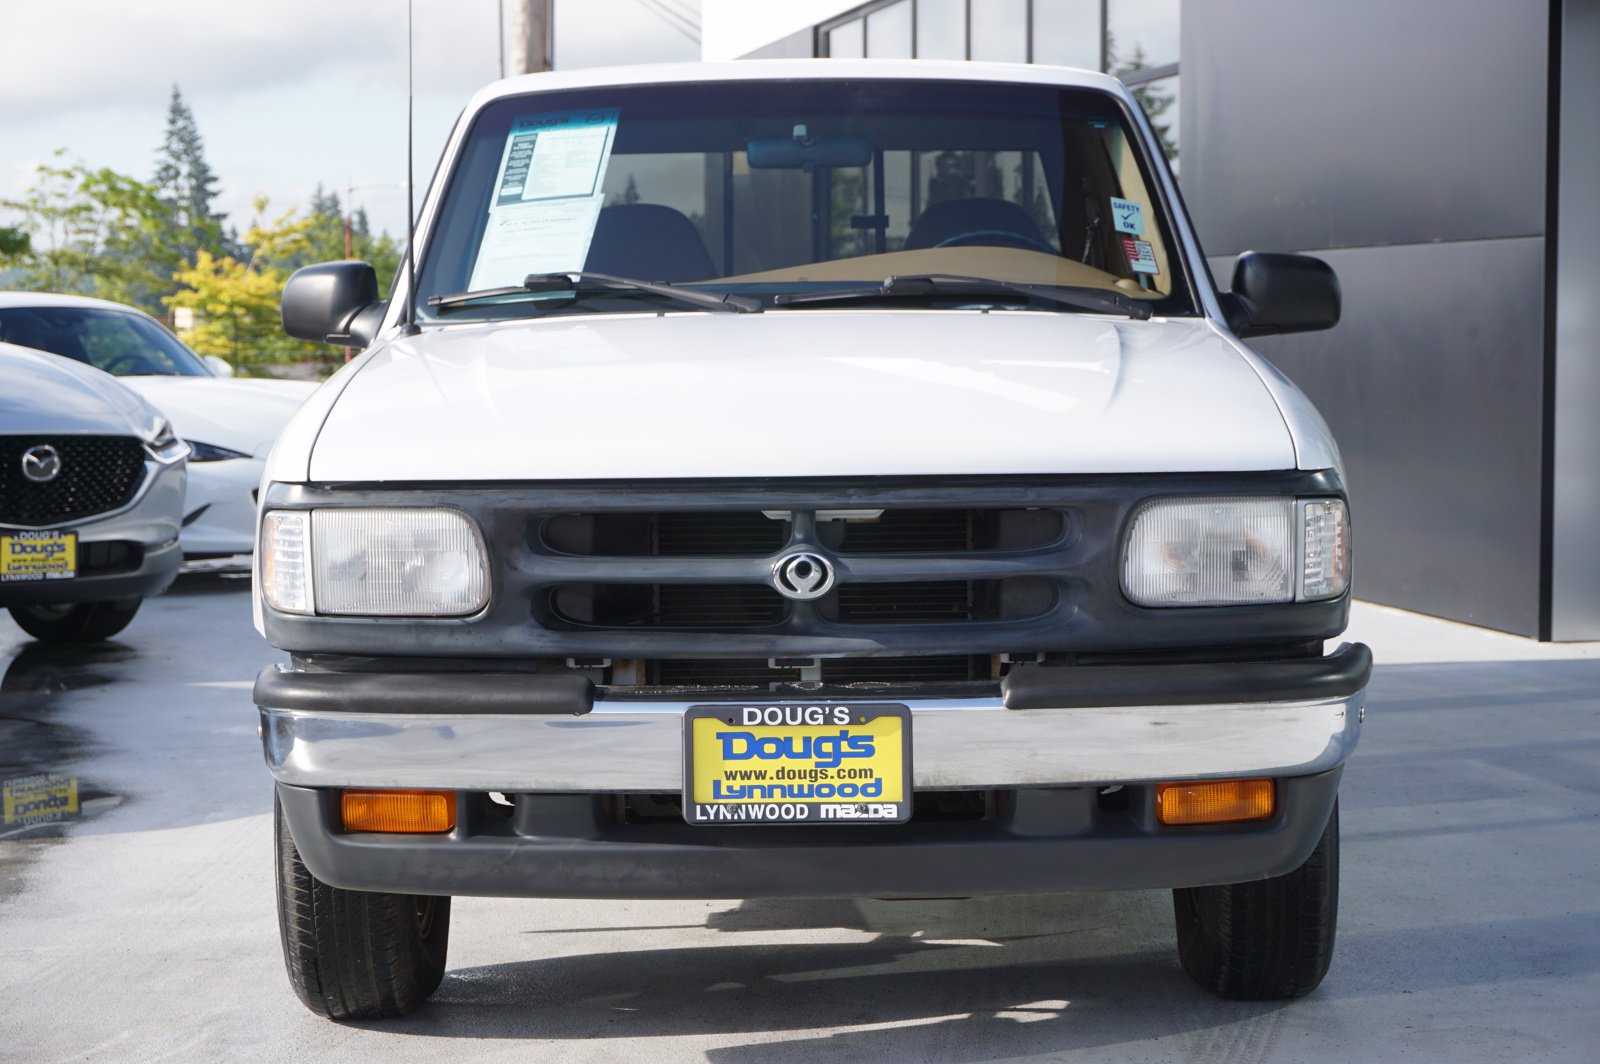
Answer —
1214 801
400 812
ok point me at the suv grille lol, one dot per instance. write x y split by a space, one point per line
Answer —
894 566
98 474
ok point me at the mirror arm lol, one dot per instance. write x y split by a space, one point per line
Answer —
1237 313
360 327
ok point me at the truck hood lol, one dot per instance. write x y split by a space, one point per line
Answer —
802 393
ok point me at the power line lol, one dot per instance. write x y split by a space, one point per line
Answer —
684 10
674 18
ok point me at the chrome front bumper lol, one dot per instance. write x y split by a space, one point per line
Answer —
636 746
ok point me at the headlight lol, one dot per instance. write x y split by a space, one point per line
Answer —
388 562
210 452
1233 551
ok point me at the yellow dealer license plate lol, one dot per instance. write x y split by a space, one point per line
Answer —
797 764
38 556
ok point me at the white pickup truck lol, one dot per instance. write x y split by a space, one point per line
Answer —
805 479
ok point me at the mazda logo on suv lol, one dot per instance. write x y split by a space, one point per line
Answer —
802 577
41 463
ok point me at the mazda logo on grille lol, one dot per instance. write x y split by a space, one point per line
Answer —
802 576
41 463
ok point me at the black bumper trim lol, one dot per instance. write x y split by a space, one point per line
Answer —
430 692
157 571
1046 850
1338 675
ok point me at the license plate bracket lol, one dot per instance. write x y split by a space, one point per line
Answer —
797 763
38 556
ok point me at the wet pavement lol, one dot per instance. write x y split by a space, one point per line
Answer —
143 928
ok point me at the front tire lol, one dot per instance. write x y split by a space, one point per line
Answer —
85 622
351 954
1270 940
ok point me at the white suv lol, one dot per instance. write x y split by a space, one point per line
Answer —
805 479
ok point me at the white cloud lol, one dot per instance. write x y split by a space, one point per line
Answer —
286 93
87 52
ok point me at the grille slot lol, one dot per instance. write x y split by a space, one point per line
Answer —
747 533
666 534
743 673
939 600
98 474
712 606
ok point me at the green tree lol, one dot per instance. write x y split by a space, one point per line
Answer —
14 244
236 302
325 240
187 184
91 231
1157 103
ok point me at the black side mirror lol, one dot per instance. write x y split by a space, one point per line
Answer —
1277 293
333 303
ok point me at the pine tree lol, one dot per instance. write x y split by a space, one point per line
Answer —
187 184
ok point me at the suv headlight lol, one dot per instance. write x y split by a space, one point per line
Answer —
373 562
1230 551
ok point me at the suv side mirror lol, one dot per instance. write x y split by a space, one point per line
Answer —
1277 293
333 303
219 367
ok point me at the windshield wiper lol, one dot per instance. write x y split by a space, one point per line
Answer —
580 283
938 285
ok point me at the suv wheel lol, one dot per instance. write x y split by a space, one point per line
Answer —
1270 940
85 622
351 954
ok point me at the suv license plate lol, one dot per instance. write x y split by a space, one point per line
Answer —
39 556
795 763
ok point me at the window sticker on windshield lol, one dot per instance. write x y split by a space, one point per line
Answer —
547 196
1127 216
1141 256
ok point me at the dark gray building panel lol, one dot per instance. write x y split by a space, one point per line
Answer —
1315 125
1432 385
1575 568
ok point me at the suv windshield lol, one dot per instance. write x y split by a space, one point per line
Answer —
791 188
122 343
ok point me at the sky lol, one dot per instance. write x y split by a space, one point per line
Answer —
287 94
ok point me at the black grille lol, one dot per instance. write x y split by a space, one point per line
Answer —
937 600
98 474
711 606
713 571
758 674
671 534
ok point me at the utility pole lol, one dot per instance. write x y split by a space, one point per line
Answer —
532 34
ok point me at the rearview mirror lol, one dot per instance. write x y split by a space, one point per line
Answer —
333 303
805 152
1276 293
220 367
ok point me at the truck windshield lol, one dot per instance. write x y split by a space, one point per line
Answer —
783 189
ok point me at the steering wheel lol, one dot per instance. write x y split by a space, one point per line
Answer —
132 364
1002 238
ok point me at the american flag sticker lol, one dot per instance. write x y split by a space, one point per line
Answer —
1141 256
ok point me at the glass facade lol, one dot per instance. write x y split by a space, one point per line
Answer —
1137 40
889 31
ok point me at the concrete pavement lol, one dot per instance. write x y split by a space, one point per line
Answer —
145 930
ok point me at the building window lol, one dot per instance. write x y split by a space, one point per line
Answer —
941 29
1137 40
1067 33
889 31
1141 34
999 30
848 41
